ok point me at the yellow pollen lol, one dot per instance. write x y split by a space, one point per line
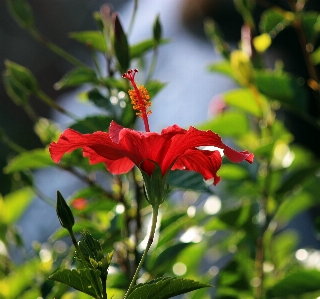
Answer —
142 102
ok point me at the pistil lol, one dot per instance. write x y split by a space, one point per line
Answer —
140 98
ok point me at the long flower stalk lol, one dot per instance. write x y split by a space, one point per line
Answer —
155 211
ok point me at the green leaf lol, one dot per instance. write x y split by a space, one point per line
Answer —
22 76
172 230
238 216
283 88
245 99
14 204
154 87
166 254
21 12
100 100
297 177
294 205
92 39
310 22
19 279
233 172
315 56
295 284
34 159
118 280
120 44
157 30
274 21
222 67
80 280
14 90
141 48
283 248
76 77
91 124
189 180
229 124
164 288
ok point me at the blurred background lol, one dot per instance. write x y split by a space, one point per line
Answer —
182 63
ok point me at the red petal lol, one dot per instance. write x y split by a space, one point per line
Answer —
207 163
97 146
182 140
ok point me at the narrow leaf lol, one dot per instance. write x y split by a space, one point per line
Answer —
21 12
120 44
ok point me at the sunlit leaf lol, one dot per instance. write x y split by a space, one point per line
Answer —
34 159
229 124
92 39
222 67
14 204
233 172
19 280
246 100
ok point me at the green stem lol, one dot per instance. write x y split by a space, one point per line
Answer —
155 210
134 12
56 49
153 62
51 103
95 283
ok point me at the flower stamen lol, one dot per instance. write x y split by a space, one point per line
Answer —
140 98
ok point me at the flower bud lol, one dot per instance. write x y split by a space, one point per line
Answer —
64 212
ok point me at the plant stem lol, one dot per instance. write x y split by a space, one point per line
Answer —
56 49
134 12
155 210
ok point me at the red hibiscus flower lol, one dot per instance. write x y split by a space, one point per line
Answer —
174 148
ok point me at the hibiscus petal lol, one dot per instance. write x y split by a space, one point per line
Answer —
97 146
182 140
119 166
207 163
